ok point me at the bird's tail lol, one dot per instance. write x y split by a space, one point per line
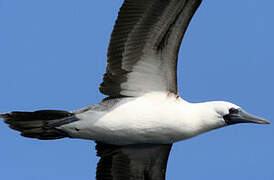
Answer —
39 124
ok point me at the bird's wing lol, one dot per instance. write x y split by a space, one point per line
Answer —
132 162
143 50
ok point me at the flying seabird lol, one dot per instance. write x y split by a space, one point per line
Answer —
143 115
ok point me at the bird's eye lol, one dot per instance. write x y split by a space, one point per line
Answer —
233 111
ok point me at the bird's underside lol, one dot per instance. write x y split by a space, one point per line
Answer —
124 162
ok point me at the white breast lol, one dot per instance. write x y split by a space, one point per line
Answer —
152 118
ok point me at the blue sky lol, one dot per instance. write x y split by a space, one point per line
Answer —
53 56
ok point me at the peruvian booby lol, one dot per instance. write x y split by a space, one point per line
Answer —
143 115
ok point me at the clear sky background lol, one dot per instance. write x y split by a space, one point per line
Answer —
53 56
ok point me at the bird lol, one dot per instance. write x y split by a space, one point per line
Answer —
143 115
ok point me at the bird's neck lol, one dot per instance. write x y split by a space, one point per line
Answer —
197 118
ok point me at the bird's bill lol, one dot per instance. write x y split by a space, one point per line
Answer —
244 117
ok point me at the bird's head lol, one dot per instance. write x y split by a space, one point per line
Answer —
233 114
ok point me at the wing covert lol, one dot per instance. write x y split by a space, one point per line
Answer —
143 50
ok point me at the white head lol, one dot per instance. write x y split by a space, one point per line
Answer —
233 114
217 114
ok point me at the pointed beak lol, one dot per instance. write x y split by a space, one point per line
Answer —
244 117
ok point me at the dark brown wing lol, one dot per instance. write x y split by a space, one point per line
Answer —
132 162
143 51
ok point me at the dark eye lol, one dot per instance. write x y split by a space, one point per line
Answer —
233 111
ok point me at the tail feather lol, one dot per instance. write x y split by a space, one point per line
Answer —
39 124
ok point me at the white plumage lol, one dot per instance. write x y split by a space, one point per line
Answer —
152 118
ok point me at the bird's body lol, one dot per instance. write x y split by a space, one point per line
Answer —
153 118
143 115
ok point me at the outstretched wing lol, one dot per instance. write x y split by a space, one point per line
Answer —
132 162
143 51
